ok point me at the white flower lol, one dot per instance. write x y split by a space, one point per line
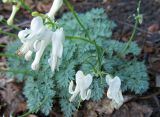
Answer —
114 91
29 36
55 7
15 8
57 48
82 86
36 38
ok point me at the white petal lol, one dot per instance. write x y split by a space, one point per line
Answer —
114 87
79 76
24 49
88 79
37 45
39 53
118 103
71 87
88 94
84 82
57 48
23 34
4 1
108 78
15 8
28 55
83 94
55 7
74 95
53 63
36 24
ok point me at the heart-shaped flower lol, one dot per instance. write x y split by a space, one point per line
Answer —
114 91
57 48
82 86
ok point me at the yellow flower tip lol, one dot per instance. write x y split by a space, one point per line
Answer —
4 1
10 21
19 53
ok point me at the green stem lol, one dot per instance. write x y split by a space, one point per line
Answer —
25 6
87 33
8 33
98 48
3 46
11 26
80 38
78 20
134 29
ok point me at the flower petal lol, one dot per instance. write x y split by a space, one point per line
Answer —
74 94
88 94
23 34
39 53
28 55
57 48
114 87
36 24
71 87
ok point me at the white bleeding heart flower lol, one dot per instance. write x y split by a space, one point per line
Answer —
114 91
82 86
38 36
55 7
57 49
35 39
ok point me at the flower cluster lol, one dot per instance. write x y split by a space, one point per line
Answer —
39 36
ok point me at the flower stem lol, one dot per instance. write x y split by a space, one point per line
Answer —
134 29
78 20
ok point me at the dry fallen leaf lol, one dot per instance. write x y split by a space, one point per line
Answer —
11 94
153 28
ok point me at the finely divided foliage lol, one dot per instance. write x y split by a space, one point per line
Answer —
79 54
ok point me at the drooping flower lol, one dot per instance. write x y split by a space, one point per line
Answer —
15 9
114 91
82 86
57 48
38 37
35 39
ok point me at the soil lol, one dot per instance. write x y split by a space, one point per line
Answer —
120 11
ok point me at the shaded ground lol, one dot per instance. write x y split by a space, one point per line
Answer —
121 11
